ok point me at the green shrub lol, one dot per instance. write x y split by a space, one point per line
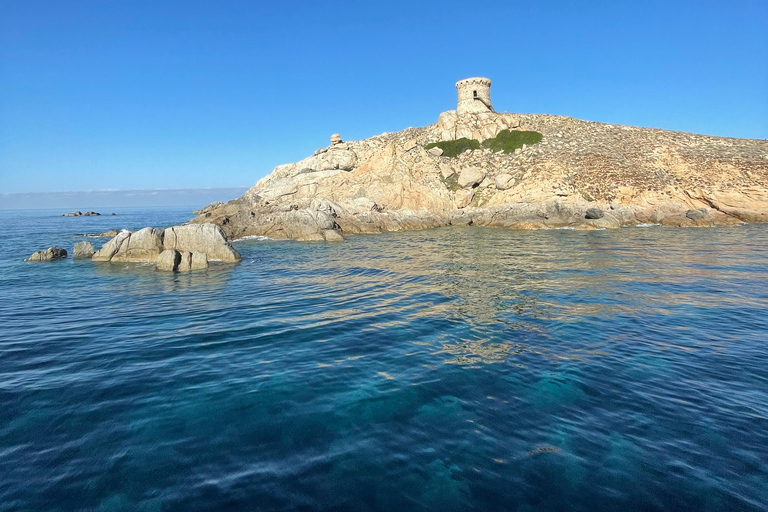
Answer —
453 148
506 141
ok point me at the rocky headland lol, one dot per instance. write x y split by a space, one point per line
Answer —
578 174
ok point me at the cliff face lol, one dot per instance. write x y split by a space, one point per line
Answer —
582 174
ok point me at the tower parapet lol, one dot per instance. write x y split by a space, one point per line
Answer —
474 95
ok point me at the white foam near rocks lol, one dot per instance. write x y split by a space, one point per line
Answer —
252 237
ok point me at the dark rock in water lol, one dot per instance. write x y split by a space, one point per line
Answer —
113 213
699 214
594 213
110 233
81 214
83 250
51 253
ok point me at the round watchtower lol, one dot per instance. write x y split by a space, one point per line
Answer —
474 95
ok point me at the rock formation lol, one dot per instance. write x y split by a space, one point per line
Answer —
577 174
390 182
182 248
83 250
81 214
49 254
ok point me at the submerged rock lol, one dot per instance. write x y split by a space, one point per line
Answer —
49 254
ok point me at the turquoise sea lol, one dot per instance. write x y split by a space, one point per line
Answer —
454 369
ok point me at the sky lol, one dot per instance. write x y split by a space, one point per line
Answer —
140 94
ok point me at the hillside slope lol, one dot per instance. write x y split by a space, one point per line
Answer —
617 175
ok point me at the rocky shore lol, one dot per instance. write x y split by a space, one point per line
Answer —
177 248
584 175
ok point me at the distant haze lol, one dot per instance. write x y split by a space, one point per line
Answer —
104 199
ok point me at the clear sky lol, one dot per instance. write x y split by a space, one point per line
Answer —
171 94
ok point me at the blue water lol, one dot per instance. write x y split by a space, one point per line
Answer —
450 369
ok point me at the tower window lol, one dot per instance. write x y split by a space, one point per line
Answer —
474 94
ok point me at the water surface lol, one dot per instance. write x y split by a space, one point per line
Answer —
449 369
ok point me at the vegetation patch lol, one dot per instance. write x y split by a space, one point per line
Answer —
453 148
506 141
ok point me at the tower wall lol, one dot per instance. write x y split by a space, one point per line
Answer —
474 95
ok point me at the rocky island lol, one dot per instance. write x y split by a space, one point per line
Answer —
476 166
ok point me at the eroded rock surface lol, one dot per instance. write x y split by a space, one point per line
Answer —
187 247
83 250
390 182
49 254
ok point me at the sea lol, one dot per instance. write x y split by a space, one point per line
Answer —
454 369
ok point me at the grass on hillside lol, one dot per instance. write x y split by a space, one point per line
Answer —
506 141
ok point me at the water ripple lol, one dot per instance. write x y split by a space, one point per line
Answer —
451 369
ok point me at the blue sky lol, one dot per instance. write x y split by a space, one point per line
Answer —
147 94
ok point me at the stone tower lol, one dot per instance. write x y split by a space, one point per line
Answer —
474 95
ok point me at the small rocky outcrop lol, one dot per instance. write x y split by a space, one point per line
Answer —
83 250
142 246
178 248
208 239
49 254
81 214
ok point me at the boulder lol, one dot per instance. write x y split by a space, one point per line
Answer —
343 159
503 181
142 246
199 261
49 254
185 262
594 213
335 139
446 170
206 238
91 214
464 197
73 214
168 261
83 250
435 151
470 177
